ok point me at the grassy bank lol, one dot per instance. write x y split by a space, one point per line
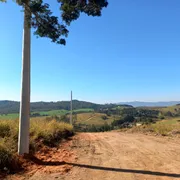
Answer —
167 127
42 132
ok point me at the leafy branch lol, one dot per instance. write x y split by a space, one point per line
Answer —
47 25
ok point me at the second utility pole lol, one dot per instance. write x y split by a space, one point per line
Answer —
71 121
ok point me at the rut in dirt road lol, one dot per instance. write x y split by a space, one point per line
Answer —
121 156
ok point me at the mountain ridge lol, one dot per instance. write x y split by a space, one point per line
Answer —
150 104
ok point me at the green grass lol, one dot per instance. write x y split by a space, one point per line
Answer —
9 116
62 112
42 132
48 113
84 110
52 113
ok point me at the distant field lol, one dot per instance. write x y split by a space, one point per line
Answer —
62 112
48 113
121 107
9 116
52 113
84 110
93 118
172 109
170 121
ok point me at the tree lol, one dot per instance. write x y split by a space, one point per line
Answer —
38 16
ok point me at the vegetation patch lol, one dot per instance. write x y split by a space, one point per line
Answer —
170 127
42 133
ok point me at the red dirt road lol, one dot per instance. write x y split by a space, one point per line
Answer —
119 156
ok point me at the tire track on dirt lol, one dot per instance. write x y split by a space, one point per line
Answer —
122 156
129 151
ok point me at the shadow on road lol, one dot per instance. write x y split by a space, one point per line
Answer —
57 163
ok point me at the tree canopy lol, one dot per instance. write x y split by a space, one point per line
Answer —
47 25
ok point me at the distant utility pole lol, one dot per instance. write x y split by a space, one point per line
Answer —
71 121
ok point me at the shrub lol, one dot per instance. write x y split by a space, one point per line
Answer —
4 129
104 117
125 120
8 159
5 157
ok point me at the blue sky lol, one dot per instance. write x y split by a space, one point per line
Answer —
130 53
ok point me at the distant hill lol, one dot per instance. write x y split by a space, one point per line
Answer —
7 107
151 104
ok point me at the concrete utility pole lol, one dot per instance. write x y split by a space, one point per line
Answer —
71 121
23 141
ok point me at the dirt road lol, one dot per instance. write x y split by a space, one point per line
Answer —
121 156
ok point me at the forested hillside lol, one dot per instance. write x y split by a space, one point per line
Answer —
7 107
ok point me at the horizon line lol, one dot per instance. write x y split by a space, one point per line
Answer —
133 101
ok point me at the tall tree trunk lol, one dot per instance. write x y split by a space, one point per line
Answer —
23 141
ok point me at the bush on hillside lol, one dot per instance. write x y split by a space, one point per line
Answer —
125 121
104 117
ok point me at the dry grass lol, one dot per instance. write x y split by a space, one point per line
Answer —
93 118
42 132
165 128
49 132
